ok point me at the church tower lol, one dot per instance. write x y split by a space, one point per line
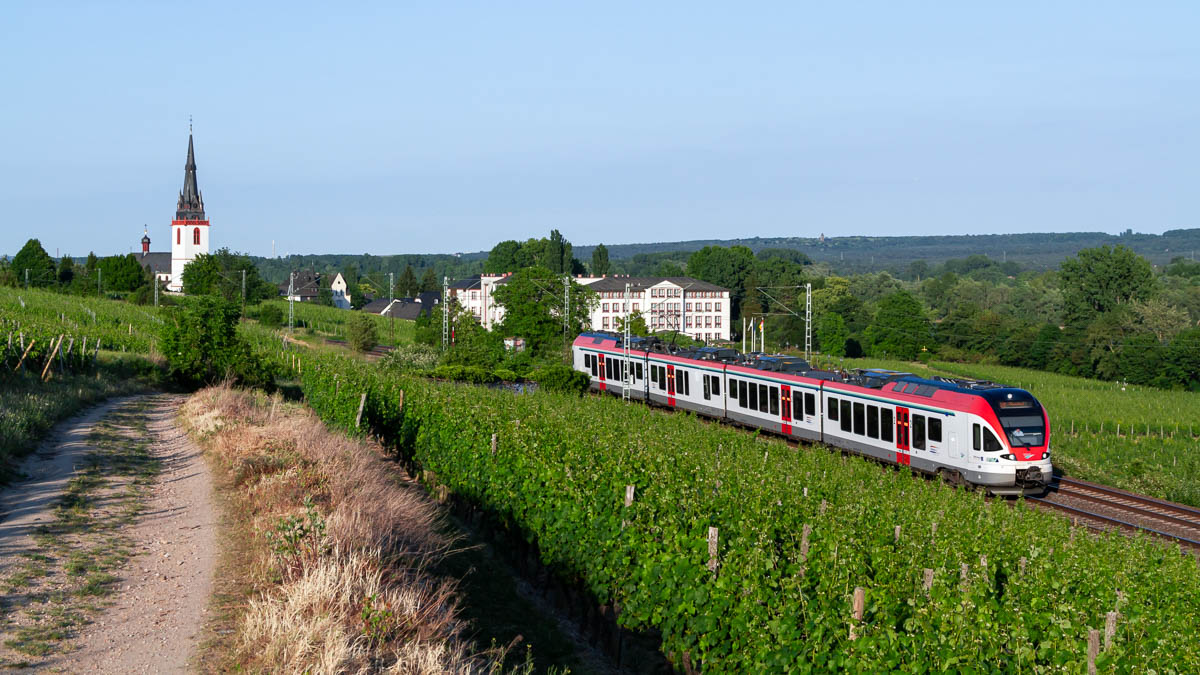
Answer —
189 230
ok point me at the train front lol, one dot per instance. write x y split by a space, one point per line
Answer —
1025 431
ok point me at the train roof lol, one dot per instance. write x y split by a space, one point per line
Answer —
871 378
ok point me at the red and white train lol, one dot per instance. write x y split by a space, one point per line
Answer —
967 431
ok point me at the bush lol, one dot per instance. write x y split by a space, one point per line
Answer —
202 346
270 316
472 374
406 358
361 333
560 378
506 375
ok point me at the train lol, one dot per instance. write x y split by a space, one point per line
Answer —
969 432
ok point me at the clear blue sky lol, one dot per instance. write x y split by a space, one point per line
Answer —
390 128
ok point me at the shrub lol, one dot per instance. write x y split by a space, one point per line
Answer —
270 316
362 334
472 374
202 346
560 378
506 375
406 358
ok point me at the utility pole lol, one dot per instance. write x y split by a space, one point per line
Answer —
243 293
627 373
445 313
743 335
808 323
155 291
391 299
292 302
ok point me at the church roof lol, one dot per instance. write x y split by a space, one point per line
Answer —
191 201
159 263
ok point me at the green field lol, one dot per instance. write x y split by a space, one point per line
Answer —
321 321
779 601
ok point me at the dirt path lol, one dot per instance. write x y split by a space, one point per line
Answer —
126 561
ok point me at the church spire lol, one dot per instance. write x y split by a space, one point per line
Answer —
191 202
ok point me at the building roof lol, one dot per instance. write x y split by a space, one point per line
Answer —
159 263
429 298
307 284
638 284
377 306
191 202
466 284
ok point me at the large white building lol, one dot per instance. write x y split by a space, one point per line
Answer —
683 304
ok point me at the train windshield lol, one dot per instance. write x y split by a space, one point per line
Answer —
1023 422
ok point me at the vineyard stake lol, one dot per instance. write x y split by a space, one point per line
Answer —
495 441
361 402
927 583
1021 566
1093 648
22 360
712 550
824 505
628 496
860 600
1110 629
50 361
804 546
896 535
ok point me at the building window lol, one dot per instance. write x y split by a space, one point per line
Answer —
606 322
196 236
179 235
717 307
717 322
636 306
604 307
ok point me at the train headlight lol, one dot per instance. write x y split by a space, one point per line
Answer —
1046 455
1008 457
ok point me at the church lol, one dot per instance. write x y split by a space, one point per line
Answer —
189 231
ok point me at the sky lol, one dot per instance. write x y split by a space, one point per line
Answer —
399 127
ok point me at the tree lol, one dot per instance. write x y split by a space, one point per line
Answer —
408 287
637 324
33 264
1097 280
362 333
503 257
600 260
900 328
471 344
726 267
66 270
202 346
220 273
832 335
791 255
122 273
1183 359
429 281
533 305
270 315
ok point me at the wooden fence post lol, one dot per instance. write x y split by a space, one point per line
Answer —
50 361
1110 629
824 505
1093 649
860 601
1021 566
628 496
896 535
927 582
495 441
22 360
804 547
361 403
712 550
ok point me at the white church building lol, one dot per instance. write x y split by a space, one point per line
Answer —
189 231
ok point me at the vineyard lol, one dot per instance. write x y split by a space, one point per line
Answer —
59 353
748 555
333 322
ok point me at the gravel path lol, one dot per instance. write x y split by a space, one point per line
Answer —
152 620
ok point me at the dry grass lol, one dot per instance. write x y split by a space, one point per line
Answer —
342 584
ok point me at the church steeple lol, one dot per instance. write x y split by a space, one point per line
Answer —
191 202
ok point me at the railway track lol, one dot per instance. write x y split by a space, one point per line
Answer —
1104 507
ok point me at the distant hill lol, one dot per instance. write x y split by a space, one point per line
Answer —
1035 250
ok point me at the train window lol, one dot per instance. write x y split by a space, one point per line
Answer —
797 407
873 421
833 409
975 437
810 404
753 402
742 393
935 430
678 381
762 398
707 388
918 432
640 372
845 415
990 444
687 383
733 389
860 413
774 400
885 424
716 385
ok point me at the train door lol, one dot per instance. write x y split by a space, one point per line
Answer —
600 369
902 449
670 385
786 408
